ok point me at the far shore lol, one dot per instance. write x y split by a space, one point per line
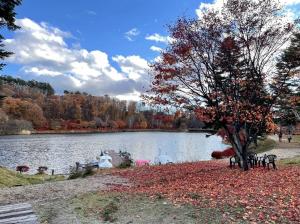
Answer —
104 131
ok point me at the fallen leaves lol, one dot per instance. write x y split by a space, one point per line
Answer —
261 194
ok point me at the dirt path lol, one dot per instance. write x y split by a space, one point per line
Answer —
50 199
58 190
284 149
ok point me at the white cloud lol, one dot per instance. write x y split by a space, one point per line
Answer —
217 4
43 52
155 48
135 96
91 12
131 34
159 38
41 71
134 66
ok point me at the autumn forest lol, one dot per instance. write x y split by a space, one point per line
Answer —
32 105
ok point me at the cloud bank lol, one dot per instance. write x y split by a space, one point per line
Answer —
42 51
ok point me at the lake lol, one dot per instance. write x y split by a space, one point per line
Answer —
59 152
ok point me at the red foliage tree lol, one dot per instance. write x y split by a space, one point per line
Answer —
220 68
22 168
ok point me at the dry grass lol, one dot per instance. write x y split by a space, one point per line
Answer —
10 178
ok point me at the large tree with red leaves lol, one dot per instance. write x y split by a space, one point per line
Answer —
222 67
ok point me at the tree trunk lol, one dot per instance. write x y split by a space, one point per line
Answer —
240 151
244 160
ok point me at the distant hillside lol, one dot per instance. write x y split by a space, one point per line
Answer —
32 105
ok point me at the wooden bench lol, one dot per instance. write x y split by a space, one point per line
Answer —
17 213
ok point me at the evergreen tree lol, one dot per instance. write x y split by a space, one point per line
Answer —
7 19
289 65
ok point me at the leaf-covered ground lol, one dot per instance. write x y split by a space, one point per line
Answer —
259 195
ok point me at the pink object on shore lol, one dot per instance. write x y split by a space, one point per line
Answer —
141 162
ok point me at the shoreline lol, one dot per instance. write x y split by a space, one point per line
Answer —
97 131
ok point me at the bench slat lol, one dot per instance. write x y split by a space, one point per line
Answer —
16 207
30 219
17 214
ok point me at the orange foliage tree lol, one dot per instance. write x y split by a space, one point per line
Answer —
220 68
26 110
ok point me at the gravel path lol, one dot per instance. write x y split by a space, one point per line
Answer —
58 190
283 153
50 200
284 150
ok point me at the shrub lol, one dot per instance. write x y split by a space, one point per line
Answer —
216 154
75 173
228 152
42 169
88 171
80 173
15 127
22 168
127 161
223 154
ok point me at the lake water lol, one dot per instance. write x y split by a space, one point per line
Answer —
59 152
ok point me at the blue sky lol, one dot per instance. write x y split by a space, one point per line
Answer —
97 46
101 24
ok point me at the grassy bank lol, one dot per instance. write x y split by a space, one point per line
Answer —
263 145
10 178
296 138
290 161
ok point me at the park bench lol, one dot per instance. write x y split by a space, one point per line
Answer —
234 160
271 160
251 159
254 160
266 160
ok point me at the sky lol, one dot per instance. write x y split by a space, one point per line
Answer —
96 46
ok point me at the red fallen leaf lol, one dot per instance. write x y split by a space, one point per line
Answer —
261 216
211 184
274 217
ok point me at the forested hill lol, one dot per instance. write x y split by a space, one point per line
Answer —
29 105
44 87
